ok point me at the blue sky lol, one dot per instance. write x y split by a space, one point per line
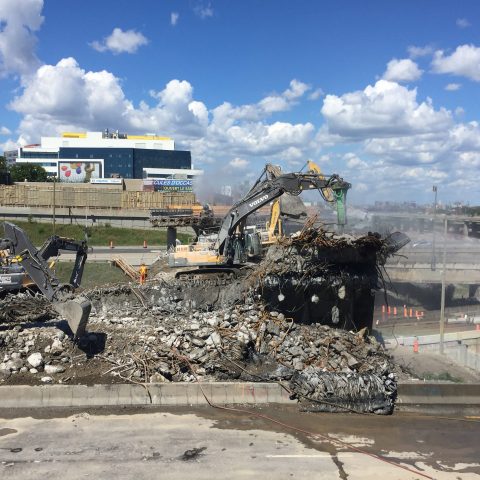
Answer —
384 93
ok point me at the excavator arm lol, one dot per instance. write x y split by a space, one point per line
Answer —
75 309
54 244
268 190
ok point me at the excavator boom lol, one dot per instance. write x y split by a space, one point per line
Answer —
268 190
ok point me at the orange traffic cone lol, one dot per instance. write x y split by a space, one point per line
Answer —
111 243
144 244
415 345
394 310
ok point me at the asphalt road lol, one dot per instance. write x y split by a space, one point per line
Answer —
133 255
206 443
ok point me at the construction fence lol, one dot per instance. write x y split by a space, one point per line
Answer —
45 195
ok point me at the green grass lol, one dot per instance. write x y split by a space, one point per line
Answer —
98 235
443 376
95 274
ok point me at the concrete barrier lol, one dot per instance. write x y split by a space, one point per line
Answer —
435 338
439 398
439 393
24 396
411 396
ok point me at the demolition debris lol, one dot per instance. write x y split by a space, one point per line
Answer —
174 331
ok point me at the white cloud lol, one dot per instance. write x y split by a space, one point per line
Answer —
353 161
19 20
408 150
296 90
452 87
386 109
462 23
404 70
464 61
174 16
203 10
8 145
239 163
227 114
469 160
5 131
65 97
316 94
120 41
416 52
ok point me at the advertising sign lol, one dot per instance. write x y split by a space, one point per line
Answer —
170 185
79 172
107 181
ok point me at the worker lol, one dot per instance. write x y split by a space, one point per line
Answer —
143 273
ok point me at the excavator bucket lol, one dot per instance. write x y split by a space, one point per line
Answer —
76 311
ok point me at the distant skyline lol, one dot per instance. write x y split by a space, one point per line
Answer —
385 94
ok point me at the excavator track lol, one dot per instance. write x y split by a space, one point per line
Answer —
208 276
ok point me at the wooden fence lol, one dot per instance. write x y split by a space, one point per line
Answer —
90 197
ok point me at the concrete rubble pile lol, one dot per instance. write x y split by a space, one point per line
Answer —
169 331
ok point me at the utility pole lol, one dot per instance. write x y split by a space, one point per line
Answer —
442 300
434 260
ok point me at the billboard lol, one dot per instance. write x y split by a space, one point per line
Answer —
80 171
169 185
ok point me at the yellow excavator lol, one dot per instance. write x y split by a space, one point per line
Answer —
274 228
235 245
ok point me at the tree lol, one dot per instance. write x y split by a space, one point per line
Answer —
28 171
3 164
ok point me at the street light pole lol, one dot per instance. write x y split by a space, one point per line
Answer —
442 300
434 260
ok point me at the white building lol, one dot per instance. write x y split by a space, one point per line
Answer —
78 157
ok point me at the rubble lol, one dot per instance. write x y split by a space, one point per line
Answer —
169 331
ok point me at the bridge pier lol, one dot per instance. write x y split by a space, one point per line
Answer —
171 237
421 225
474 291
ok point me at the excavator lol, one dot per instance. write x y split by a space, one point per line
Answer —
234 245
23 265
282 206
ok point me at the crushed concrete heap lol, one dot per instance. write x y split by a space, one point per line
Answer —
171 331
133 340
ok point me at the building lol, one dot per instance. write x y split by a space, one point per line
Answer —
82 157
10 157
